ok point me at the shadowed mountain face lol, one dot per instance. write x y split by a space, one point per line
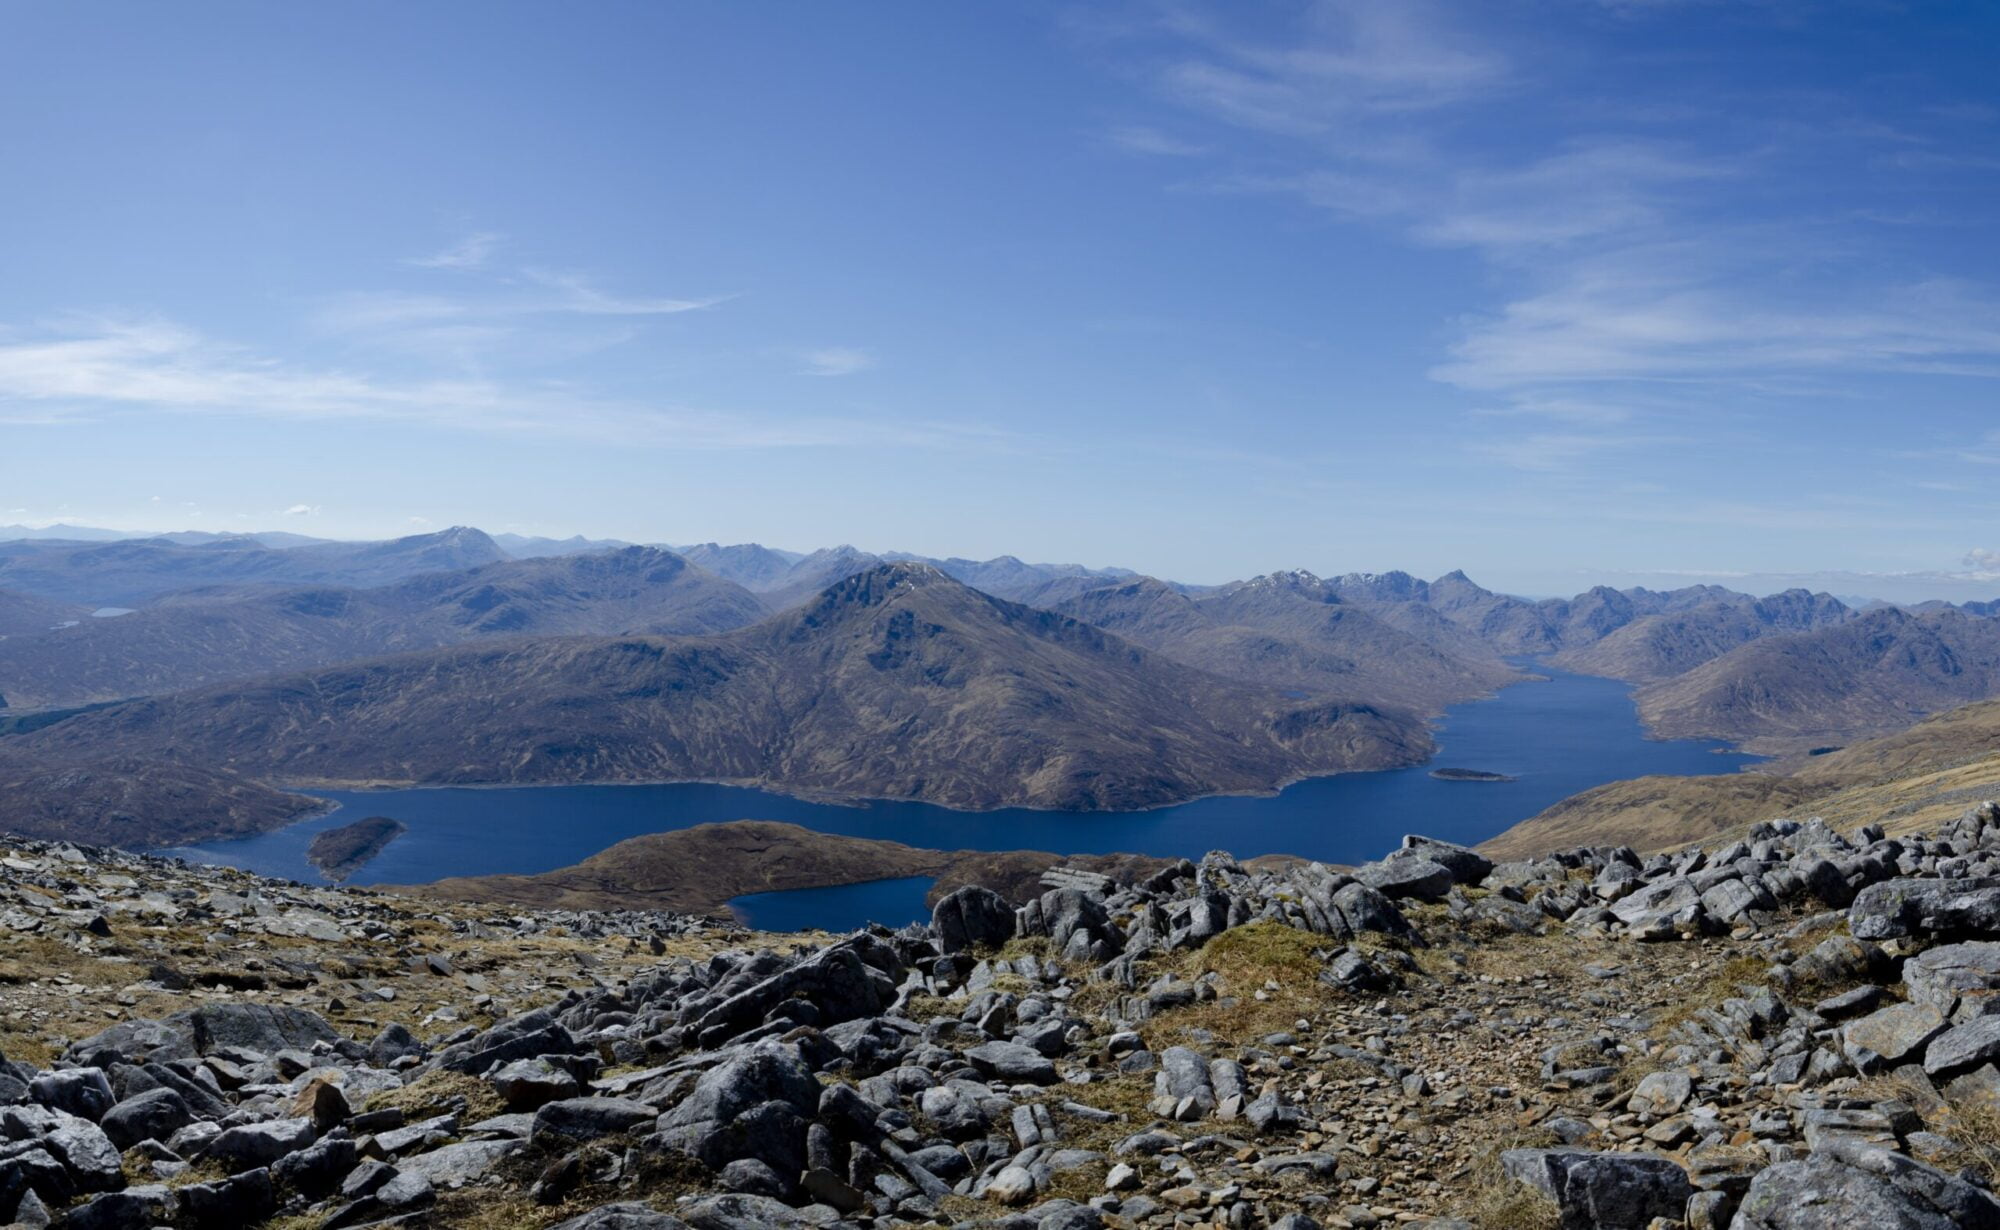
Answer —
135 803
1672 642
896 683
133 572
1863 676
187 640
1287 631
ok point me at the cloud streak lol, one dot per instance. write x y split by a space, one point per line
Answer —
470 252
99 367
837 361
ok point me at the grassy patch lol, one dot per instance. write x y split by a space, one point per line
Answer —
1974 1130
1036 946
1724 982
1266 957
1263 950
1496 1202
435 1093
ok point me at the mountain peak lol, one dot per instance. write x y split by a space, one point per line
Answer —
881 583
1294 578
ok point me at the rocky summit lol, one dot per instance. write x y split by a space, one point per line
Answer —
1796 1029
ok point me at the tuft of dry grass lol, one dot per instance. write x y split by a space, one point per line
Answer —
1243 962
1497 1202
1724 982
434 1093
1975 1129
1036 946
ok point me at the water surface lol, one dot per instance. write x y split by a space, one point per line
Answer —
842 907
1553 738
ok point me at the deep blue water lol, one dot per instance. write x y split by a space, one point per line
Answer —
841 908
1555 738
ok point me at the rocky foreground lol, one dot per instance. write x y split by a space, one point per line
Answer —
1799 1029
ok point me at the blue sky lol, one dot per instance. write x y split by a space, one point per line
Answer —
1555 292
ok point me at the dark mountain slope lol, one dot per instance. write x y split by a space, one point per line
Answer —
1868 675
134 803
898 682
187 640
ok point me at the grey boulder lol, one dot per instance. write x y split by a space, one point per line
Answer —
155 1114
1848 1185
1603 1191
972 917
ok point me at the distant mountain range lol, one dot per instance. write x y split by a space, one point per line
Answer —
899 682
134 571
207 635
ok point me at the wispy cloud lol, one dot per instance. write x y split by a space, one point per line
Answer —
1544 450
509 319
1348 62
1633 324
470 252
102 366
302 510
1140 139
575 293
837 361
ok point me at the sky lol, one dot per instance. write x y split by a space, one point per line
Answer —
1556 292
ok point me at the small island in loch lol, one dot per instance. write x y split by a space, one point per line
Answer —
339 853
1470 775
